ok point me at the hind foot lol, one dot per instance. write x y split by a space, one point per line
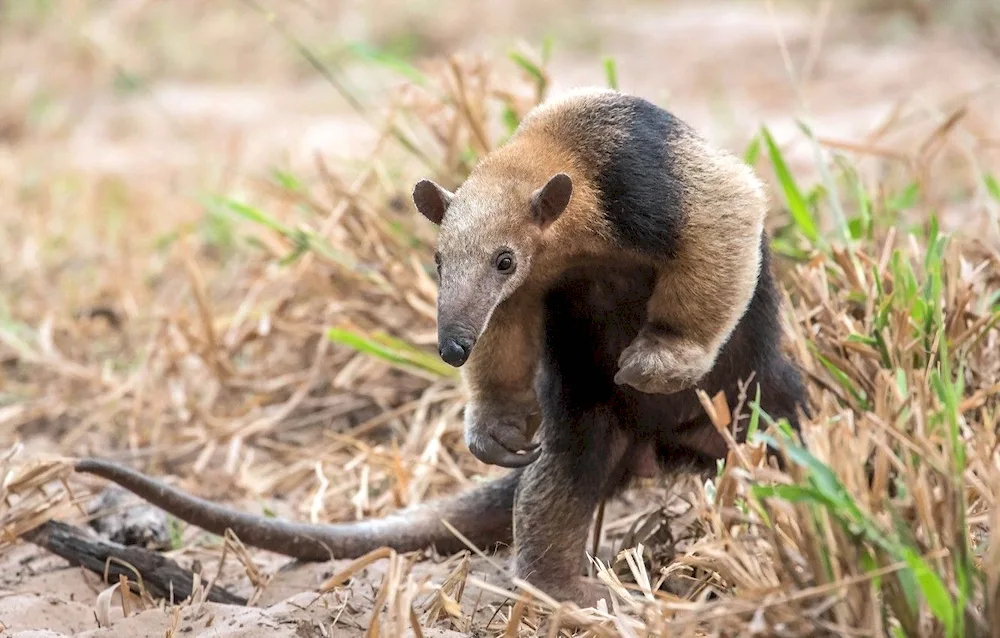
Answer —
582 593
657 364
588 598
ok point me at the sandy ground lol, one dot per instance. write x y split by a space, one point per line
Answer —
719 67
40 596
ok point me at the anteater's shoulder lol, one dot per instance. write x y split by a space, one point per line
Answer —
632 153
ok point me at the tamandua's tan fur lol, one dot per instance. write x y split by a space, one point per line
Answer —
624 271
703 286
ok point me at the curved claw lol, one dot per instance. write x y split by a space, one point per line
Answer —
514 440
624 376
488 450
630 373
513 460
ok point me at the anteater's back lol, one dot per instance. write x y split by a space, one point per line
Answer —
650 170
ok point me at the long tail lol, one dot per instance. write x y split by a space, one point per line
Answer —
483 515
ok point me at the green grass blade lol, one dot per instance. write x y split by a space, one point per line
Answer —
251 214
392 62
611 73
992 186
789 493
933 589
826 489
797 206
752 152
949 387
301 239
404 358
833 196
547 44
532 69
754 426
842 379
510 119
905 199
287 181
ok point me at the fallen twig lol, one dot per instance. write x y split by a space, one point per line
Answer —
160 575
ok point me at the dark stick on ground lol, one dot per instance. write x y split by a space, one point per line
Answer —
160 575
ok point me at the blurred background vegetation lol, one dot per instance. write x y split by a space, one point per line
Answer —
210 268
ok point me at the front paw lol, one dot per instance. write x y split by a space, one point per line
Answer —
660 367
498 438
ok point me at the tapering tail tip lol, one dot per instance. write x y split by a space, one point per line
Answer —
482 515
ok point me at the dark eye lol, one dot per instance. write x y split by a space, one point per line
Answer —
505 262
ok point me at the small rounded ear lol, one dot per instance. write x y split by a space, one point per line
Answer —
549 201
431 200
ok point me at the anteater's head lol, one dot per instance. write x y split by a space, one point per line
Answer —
490 232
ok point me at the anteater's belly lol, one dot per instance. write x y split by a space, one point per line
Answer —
591 316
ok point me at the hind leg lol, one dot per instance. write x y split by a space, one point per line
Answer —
781 395
581 463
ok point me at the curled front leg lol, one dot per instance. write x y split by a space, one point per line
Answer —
498 435
502 410
657 363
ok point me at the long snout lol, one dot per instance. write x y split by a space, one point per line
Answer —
454 346
461 319
464 306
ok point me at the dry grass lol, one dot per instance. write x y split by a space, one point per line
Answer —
980 19
274 342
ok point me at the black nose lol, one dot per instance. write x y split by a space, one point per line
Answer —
453 352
